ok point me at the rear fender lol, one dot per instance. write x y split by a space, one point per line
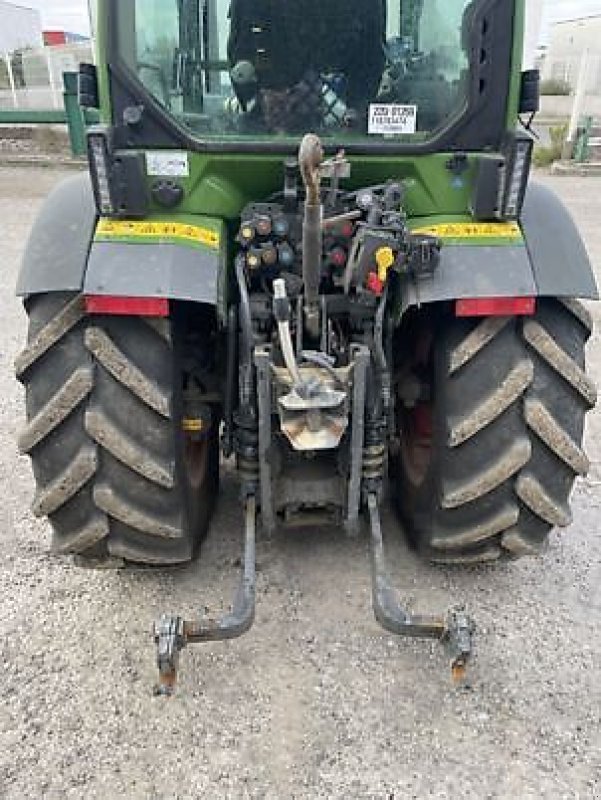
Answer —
180 258
560 263
69 249
57 250
543 257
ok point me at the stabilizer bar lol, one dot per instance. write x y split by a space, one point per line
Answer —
454 631
173 633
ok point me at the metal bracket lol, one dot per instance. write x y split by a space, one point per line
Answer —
454 631
172 634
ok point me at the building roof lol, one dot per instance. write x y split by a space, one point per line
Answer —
18 5
582 18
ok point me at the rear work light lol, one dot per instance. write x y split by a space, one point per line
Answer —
100 161
495 307
127 306
501 180
516 174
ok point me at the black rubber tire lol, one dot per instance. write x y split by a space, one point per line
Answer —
104 433
509 398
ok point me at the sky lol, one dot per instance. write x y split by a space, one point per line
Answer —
72 15
68 15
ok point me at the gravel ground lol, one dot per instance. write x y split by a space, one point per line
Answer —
316 701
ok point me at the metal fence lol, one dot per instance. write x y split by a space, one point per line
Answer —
33 79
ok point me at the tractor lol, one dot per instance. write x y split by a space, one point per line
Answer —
307 245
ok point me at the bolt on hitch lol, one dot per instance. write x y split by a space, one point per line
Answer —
455 631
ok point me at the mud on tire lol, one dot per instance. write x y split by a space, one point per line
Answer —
488 463
104 433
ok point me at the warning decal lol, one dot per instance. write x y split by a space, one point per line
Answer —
123 230
392 119
473 230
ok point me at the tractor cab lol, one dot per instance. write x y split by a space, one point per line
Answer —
269 68
371 75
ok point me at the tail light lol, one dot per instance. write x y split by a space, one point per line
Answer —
127 306
495 307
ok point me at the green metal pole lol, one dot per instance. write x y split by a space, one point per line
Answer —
584 134
75 117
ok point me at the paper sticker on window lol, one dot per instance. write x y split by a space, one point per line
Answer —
392 119
167 164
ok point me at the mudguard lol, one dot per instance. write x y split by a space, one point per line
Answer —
57 250
69 249
182 257
543 256
560 264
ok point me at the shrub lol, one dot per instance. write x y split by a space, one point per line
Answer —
545 156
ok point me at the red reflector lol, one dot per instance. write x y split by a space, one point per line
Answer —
127 306
374 284
495 307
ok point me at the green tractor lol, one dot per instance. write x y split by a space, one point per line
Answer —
308 243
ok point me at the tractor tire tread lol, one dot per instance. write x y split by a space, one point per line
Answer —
504 466
549 430
122 368
502 470
493 405
55 329
106 451
67 483
125 449
476 341
57 409
118 508
548 349
484 530
95 530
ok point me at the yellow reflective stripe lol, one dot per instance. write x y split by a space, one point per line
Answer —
193 425
119 229
472 230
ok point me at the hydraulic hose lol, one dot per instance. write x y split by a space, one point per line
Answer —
282 314
381 398
379 332
246 354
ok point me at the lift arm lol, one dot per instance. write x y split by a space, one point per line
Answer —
454 631
173 633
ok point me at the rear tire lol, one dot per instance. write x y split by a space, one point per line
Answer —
487 466
104 399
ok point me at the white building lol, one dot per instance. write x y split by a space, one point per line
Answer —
20 27
569 41
532 34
